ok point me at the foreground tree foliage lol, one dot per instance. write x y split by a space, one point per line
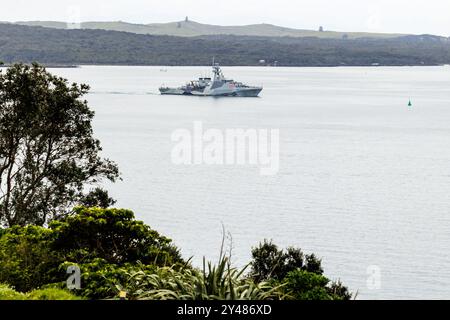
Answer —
113 235
225 282
48 154
213 282
301 275
48 159
97 198
105 243
27 260
271 263
117 253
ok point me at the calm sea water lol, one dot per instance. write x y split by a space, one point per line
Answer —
364 180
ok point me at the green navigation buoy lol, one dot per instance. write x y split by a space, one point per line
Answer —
410 103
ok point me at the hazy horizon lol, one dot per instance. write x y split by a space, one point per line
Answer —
380 16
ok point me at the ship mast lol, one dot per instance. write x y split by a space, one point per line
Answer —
218 75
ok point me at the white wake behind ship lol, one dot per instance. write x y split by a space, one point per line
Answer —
218 86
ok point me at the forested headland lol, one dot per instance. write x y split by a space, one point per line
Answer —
51 46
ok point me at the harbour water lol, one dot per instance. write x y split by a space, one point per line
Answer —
364 179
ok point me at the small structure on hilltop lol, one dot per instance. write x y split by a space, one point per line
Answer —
73 25
320 29
186 19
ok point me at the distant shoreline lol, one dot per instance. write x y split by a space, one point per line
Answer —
247 66
49 66
60 66
61 48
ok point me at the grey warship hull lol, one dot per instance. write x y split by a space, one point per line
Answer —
219 86
251 93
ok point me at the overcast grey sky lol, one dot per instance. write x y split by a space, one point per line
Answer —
404 16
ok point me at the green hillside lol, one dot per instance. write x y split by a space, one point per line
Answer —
74 47
193 29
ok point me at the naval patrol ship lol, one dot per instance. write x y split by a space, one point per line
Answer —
219 86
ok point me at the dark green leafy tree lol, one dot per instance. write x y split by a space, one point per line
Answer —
340 292
48 155
97 198
106 244
113 235
304 285
269 262
301 276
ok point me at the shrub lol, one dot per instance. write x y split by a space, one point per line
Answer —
7 293
115 252
105 243
26 258
271 263
113 235
214 282
51 294
340 292
304 285
300 275
99 278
